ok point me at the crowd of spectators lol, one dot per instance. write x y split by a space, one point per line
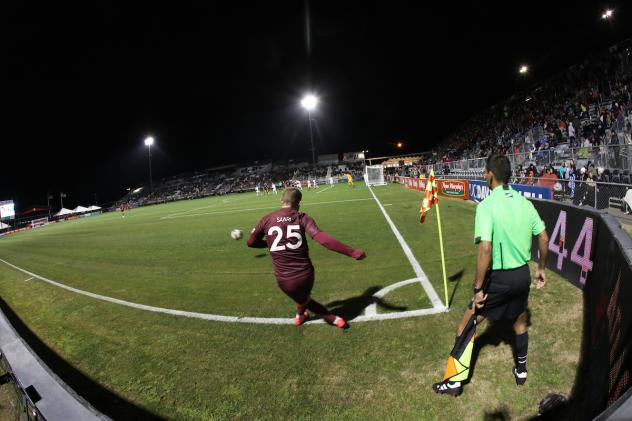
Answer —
234 180
589 105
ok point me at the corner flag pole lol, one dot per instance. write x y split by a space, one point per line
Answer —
445 280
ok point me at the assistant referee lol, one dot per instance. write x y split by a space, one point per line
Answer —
504 227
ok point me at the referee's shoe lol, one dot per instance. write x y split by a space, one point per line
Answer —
520 376
448 388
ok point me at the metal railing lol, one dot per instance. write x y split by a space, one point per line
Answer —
23 398
596 194
607 156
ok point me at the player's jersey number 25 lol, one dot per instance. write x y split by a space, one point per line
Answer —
293 231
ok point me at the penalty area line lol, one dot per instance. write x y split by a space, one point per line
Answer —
320 191
224 201
421 275
303 204
219 317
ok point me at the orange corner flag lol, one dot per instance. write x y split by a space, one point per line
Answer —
430 196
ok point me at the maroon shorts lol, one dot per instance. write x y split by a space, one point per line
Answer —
298 289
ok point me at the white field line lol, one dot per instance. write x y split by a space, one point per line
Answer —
304 204
28 279
220 318
320 191
207 207
371 309
425 283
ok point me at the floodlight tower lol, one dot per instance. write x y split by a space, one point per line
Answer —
148 142
309 102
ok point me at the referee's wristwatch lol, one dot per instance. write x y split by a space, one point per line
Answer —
477 290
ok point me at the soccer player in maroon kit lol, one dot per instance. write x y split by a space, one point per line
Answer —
284 231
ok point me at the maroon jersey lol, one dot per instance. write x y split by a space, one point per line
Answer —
284 232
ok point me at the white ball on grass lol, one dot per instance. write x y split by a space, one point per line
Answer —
236 234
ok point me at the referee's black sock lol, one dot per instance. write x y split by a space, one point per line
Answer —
522 346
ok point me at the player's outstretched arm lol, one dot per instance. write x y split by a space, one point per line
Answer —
255 239
256 243
332 244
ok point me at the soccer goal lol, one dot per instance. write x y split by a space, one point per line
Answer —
40 222
374 175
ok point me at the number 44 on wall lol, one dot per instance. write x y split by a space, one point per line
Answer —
557 245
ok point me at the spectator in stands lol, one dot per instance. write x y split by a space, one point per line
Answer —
549 179
572 174
571 133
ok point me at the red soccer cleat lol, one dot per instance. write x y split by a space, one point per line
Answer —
341 323
299 319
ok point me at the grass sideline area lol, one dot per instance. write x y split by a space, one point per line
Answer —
180 256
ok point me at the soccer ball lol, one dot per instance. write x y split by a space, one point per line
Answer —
236 234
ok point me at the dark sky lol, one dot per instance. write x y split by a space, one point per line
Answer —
216 85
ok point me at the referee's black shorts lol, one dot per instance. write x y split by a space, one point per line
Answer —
507 293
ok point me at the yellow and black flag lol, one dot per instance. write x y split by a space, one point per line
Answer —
458 366
430 196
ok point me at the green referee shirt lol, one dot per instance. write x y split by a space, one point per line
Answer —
508 221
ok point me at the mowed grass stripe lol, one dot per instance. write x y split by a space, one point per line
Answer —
269 208
186 369
197 267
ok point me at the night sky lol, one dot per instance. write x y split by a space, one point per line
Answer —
215 85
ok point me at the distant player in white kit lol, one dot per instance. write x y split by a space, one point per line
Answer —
314 184
257 189
309 184
274 190
298 185
331 181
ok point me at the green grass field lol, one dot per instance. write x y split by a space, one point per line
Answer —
180 256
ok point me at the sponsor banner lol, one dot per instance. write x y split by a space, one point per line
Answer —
453 188
478 190
448 188
589 249
572 233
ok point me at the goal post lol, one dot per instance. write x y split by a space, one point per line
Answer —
374 175
39 222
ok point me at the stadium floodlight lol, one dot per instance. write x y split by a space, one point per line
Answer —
148 142
400 145
607 14
309 102
523 69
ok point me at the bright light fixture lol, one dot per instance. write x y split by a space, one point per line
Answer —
523 69
149 141
309 102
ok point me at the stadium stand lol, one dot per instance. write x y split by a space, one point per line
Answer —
573 128
234 180
585 108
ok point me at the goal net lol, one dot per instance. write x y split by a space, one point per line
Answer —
40 222
374 175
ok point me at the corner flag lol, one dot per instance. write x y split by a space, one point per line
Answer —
430 197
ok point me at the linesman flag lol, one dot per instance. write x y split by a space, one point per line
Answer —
458 367
430 196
